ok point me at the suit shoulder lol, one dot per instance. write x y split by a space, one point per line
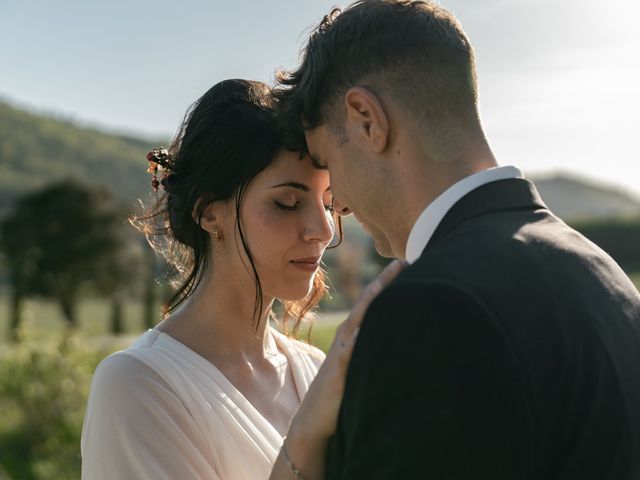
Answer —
413 293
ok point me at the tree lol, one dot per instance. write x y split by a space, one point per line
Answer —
59 239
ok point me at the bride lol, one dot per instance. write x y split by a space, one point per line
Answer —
211 391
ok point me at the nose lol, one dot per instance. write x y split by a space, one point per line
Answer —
319 226
341 209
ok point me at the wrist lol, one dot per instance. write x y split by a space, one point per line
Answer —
305 435
291 467
303 449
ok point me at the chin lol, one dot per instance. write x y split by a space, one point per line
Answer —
383 248
295 291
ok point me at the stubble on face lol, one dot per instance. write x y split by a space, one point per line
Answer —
351 183
380 242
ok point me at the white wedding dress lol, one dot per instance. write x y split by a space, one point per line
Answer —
158 410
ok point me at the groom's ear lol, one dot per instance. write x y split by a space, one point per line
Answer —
366 119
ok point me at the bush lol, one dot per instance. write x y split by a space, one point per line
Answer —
44 385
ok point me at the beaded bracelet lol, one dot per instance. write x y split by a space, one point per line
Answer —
290 465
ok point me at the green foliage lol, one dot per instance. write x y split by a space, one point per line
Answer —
44 383
60 238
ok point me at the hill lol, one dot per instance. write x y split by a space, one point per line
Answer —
37 149
574 198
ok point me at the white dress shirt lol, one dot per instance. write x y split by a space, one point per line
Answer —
431 216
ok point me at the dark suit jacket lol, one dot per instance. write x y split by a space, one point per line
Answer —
509 350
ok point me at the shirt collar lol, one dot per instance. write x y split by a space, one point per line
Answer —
433 214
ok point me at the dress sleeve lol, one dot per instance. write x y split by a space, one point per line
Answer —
136 427
434 390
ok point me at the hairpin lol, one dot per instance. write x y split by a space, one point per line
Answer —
158 157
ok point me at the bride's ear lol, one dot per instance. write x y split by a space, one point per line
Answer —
213 216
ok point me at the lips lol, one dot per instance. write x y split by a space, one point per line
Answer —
308 260
309 264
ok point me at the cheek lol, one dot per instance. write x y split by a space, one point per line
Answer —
342 175
269 237
273 237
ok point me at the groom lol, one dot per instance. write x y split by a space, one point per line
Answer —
510 347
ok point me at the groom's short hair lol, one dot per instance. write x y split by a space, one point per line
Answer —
414 51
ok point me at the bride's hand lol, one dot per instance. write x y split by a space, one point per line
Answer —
318 413
316 419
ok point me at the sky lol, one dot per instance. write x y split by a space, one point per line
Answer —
558 78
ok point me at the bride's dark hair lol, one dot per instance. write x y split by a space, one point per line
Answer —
227 137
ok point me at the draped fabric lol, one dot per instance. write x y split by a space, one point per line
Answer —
158 410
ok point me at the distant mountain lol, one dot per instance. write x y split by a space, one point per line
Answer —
37 149
574 198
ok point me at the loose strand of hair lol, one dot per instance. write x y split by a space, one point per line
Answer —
258 304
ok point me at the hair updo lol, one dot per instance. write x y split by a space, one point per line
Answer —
227 137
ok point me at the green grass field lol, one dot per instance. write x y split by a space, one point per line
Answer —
45 318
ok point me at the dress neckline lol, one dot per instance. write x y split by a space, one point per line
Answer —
234 395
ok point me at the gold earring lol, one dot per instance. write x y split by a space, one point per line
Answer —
217 235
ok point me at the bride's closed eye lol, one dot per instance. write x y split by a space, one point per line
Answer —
293 207
284 206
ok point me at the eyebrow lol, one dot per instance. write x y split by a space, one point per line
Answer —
299 186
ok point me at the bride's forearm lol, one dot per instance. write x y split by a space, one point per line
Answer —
302 453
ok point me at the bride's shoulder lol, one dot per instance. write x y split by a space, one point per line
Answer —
129 369
122 371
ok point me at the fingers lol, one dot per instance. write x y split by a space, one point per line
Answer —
347 332
389 273
392 270
348 339
319 409
373 289
344 335
383 279
342 346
